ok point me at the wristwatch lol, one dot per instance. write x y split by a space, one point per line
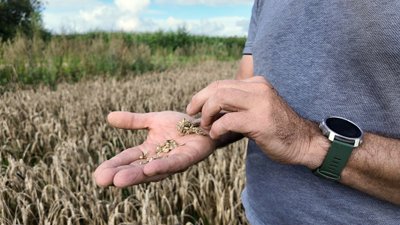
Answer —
344 135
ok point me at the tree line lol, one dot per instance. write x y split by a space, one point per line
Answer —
21 16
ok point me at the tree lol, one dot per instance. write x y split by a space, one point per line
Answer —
20 16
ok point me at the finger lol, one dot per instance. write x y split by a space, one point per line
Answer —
128 120
105 173
230 122
224 100
127 175
201 97
126 157
104 177
172 164
133 175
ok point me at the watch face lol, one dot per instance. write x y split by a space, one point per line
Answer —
343 127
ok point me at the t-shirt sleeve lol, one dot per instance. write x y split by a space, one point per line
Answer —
252 30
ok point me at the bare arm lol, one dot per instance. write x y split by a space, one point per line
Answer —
373 168
245 68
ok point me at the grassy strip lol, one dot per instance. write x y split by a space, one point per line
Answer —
70 58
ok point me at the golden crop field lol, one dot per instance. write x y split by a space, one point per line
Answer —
52 141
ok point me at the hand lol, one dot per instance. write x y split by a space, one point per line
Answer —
253 108
125 168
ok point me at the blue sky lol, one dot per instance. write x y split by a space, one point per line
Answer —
217 18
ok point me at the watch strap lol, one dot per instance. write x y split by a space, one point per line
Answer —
335 161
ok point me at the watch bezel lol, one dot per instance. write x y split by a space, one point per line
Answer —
332 135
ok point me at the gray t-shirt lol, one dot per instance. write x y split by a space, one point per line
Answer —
327 57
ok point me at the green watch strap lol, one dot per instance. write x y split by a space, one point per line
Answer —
335 161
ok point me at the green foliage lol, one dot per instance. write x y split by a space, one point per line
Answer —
70 58
20 16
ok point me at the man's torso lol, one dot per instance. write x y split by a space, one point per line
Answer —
325 58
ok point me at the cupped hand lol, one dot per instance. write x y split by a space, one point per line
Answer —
253 108
126 169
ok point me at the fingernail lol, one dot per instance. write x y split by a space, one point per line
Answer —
211 134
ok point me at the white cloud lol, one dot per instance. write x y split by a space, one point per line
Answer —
131 6
217 26
127 15
129 10
127 24
93 15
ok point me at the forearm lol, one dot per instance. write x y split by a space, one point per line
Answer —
245 68
373 167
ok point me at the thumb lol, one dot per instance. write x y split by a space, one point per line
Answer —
230 122
128 120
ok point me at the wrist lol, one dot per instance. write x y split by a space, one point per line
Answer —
316 149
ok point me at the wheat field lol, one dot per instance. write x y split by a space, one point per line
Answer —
52 141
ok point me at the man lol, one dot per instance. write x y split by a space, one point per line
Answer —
312 59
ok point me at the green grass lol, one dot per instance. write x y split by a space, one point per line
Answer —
71 58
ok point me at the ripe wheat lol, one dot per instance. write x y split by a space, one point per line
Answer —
52 141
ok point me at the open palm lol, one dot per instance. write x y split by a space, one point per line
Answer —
125 168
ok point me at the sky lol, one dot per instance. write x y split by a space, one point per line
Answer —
205 17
